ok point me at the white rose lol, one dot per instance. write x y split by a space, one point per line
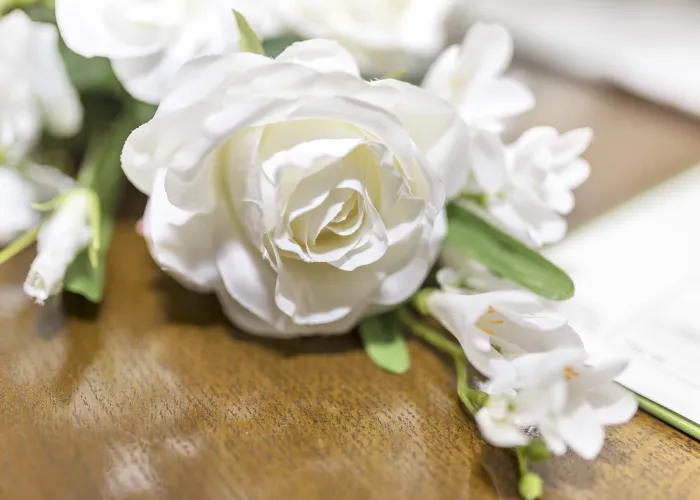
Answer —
383 35
303 195
34 87
147 40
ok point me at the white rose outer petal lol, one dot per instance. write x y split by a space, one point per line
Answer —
383 35
304 196
147 41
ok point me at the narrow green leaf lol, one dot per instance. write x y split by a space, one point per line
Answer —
385 343
102 174
505 255
249 40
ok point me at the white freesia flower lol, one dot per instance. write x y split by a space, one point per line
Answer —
34 87
495 327
303 195
146 40
60 240
384 36
498 421
20 187
527 185
568 396
470 76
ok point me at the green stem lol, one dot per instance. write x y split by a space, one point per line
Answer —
17 246
466 394
472 399
522 460
668 416
428 334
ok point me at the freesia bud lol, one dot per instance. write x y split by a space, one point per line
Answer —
60 240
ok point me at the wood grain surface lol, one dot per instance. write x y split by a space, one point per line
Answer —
153 394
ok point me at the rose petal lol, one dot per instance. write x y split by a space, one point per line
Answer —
326 56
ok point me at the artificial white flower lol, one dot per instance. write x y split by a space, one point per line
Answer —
495 327
568 396
527 185
35 90
146 40
470 76
262 15
384 36
303 195
62 237
20 187
498 421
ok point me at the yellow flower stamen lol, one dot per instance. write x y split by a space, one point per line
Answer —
570 373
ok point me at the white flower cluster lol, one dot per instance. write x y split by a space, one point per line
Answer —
524 187
35 93
308 198
539 372
541 380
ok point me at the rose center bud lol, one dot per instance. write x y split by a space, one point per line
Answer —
331 201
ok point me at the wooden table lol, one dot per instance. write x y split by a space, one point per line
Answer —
154 395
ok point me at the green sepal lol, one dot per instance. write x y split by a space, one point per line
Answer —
249 41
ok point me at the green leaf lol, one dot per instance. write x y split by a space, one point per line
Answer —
275 46
477 239
94 74
385 344
101 172
249 40
82 277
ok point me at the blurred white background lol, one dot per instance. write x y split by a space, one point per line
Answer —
649 47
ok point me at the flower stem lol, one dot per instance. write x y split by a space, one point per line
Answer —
21 243
522 460
429 335
463 390
471 398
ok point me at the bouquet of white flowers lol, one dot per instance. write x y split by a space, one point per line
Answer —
312 201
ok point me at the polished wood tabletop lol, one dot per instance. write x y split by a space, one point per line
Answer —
154 395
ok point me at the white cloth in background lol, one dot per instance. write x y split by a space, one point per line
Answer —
648 47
